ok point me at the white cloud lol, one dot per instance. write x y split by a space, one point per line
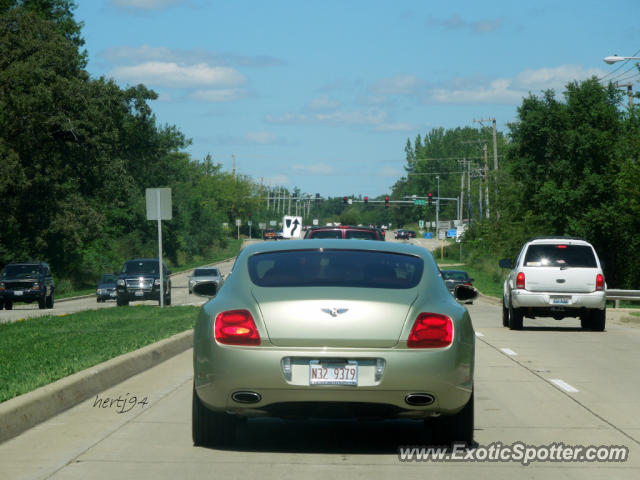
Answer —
398 85
511 90
396 127
556 77
145 4
147 53
323 102
332 118
262 138
317 169
456 22
217 95
170 74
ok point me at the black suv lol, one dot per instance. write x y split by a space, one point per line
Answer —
139 279
26 282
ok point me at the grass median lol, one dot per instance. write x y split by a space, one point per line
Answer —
42 350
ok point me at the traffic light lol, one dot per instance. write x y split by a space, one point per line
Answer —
344 200
249 215
386 201
430 199
366 199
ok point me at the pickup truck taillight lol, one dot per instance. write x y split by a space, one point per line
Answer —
520 280
599 283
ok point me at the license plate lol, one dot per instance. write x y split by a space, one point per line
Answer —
139 293
333 373
17 293
113 294
560 300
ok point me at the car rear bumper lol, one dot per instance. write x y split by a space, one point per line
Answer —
445 374
527 299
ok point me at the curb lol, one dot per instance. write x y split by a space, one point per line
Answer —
25 411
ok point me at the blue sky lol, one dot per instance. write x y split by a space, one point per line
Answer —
322 95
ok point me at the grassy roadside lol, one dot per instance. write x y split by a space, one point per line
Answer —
45 349
232 249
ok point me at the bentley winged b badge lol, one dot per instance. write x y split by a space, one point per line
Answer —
334 312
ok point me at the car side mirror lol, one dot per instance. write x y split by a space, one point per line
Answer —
505 263
464 293
205 289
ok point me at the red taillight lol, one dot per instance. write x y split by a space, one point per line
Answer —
431 330
236 327
520 280
599 282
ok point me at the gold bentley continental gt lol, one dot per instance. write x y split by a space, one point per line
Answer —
315 329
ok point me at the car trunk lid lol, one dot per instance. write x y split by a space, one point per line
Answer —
329 317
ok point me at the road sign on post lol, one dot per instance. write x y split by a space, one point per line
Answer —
159 208
419 201
292 226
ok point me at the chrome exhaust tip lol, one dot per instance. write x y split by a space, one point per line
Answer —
246 397
419 399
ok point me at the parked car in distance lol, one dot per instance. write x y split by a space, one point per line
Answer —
26 282
555 277
139 279
206 274
106 289
328 328
453 278
347 232
402 234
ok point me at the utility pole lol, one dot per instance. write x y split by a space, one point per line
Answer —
629 92
233 172
486 177
464 164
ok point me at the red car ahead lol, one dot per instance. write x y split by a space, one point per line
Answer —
345 232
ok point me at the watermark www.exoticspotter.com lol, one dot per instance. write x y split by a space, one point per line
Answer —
515 452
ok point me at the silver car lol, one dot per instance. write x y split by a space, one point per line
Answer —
331 328
209 275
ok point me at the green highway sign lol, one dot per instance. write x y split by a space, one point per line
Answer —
419 201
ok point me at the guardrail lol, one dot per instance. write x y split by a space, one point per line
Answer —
617 295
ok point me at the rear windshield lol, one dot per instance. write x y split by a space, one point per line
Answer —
360 235
576 256
326 234
144 266
205 272
108 278
335 268
453 275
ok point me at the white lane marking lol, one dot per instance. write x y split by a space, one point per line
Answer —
478 334
508 351
564 385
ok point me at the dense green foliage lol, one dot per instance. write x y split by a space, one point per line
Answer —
77 153
45 349
568 167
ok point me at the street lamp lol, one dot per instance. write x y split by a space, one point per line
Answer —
615 58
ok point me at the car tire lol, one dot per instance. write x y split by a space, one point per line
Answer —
454 429
121 302
505 315
8 305
210 428
1 305
49 301
515 317
598 319
42 302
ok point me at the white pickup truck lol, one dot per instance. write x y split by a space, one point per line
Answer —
555 277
